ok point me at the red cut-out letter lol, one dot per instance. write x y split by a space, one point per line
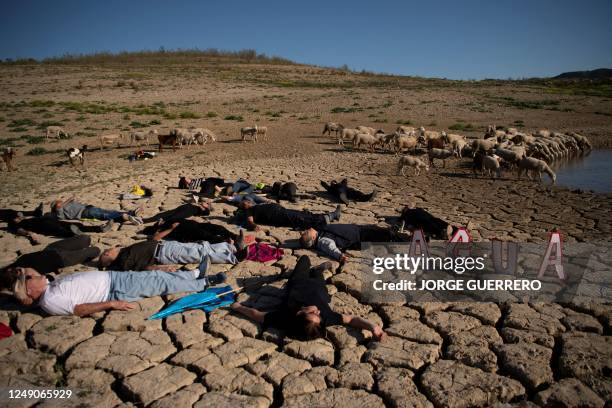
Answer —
550 259
418 238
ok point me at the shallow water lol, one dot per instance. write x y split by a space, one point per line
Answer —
592 172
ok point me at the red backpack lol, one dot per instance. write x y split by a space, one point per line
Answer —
260 252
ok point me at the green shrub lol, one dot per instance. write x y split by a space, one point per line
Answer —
37 151
237 118
211 114
403 122
170 115
20 129
340 109
136 125
45 124
33 139
189 115
466 127
9 141
21 123
155 122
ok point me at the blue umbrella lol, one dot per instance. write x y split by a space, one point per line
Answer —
207 300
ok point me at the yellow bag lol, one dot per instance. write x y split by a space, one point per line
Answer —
137 190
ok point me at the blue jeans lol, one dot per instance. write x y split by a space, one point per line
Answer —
203 253
132 286
242 187
101 214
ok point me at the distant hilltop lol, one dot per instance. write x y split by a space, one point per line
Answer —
593 74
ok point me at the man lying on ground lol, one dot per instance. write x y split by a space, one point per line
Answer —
7 214
343 193
333 239
85 293
51 226
74 210
148 255
199 209
209 187
282 191
305 312
278 216
190 231
60 254
433 227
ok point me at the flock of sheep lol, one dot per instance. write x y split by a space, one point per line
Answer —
497 149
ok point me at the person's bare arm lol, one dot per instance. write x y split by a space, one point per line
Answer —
249 312
363 324
251 224
159 235
85 309
166 268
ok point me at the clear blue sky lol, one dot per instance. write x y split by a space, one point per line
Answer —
460 39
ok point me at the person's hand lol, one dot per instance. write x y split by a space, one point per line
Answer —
122 305
174 225
378 334
344 259
235 305
256 228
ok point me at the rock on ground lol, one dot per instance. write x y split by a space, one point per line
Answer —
335 398
163 379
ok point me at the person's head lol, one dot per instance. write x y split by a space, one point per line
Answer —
309 322
246 203
29 285
184 182
308 237
108 257
55 205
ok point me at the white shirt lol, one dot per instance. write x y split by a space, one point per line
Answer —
62 295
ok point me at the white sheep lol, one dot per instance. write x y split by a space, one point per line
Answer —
140 135
429 134
491 164
368 130
416 163
262 131
510 155
530 164
407 130
483 144
347 134
110 139
405 142
458 147
203 135
57 132
366 139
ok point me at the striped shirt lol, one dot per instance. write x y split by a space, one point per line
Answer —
196 183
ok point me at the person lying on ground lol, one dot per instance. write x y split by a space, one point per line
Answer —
60 254
209 187
85 293
282 191
433 227
149 255
236 199
278 216
49 225
333 239
343 193
8 215
74 210
200 209
191 231
305 312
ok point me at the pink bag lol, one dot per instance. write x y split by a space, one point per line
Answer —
260 252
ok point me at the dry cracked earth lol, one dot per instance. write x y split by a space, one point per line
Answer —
436 354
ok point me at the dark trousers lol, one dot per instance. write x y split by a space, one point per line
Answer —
343 192
374 233
74 250
8 215
51 226
193 231
207 188
303 270
418 218
284 191
179 213
300 219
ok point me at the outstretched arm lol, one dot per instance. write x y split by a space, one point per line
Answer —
249 312
85 309
159 235
363 324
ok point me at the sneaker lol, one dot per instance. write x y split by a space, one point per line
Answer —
137 211
134 220
108 226
372 195
342 197
325 266
337 213
75 229
38 211
240 241
216 279
195 199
